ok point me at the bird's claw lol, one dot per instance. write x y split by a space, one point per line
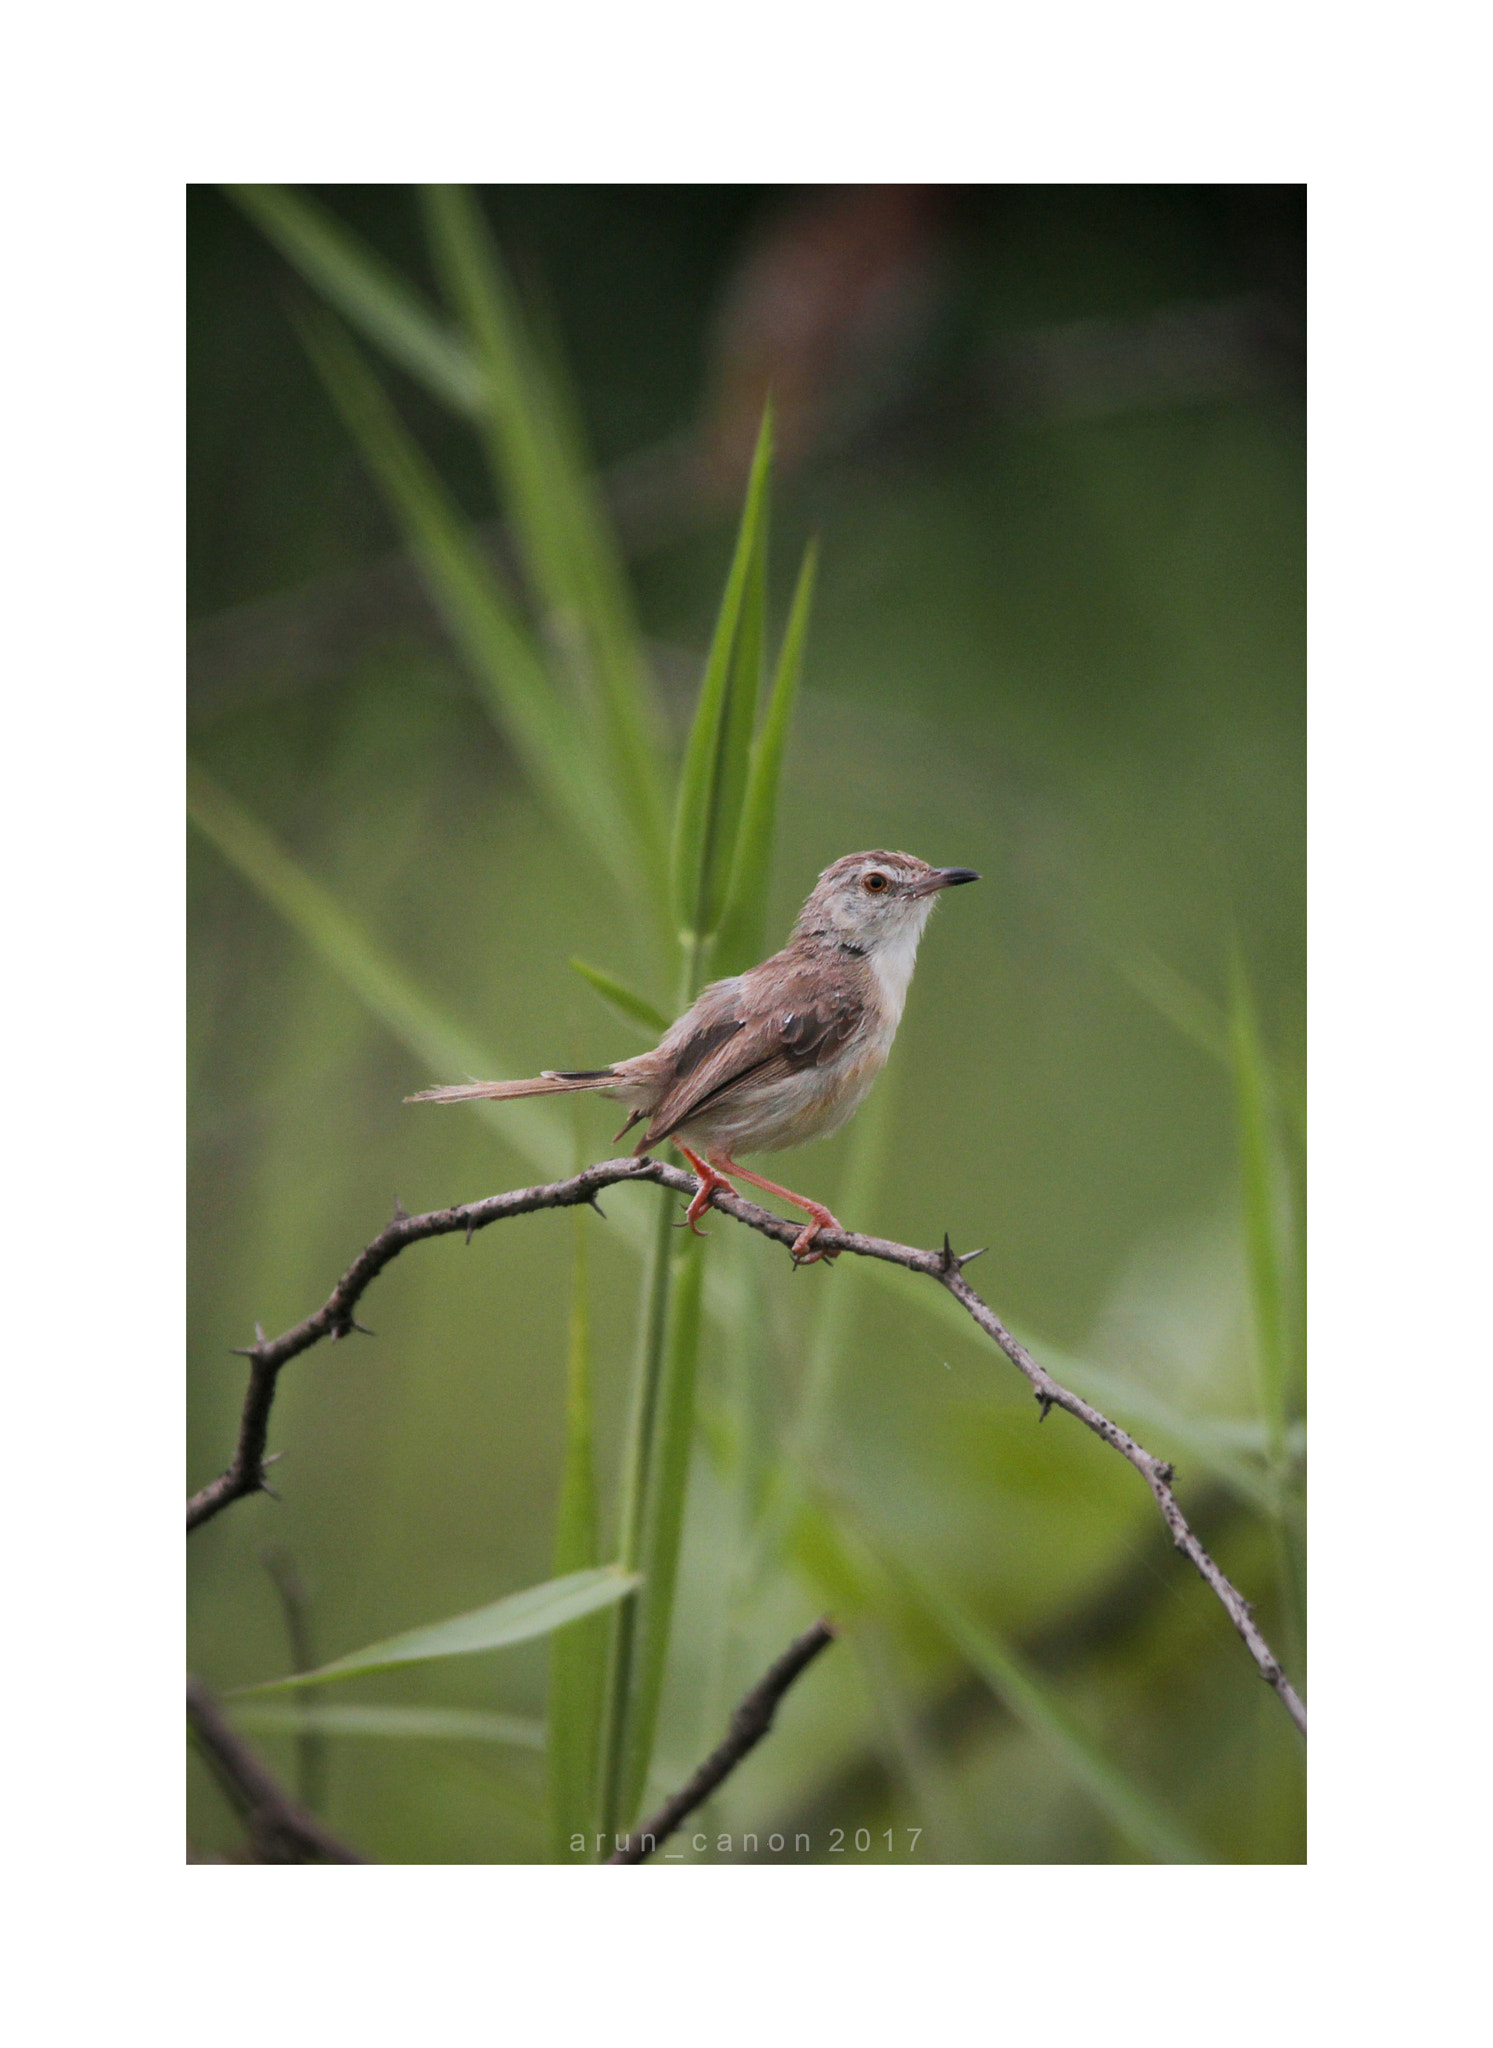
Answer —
801 1250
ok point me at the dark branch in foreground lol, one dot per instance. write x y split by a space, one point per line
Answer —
279 1830
335 1319
749 1724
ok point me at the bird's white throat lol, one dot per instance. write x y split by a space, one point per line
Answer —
892 963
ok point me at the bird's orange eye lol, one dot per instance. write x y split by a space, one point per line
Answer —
875 882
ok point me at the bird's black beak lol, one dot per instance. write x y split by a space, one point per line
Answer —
944 878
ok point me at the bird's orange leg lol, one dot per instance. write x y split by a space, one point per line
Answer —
821 1219
710 1180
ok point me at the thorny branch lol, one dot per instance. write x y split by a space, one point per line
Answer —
278 1829
749 1724
335 1318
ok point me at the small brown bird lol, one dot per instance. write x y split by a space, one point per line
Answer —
783 1053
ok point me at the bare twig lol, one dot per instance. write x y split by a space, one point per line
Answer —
280 1831
335 1319
749 1724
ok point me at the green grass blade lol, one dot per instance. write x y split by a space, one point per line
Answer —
1199 1018
1259 1176
534 1130
822 1544
311 1754
363 288
578 1656
394 1724
741 940
750 1354
634 1509
1270 1258
520 1618
738 1431
550 740
712 781
624 1002
928 1767
1033 1702
1172 996
1265 1090
662 1523
570 554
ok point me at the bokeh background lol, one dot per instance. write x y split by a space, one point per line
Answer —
1052 443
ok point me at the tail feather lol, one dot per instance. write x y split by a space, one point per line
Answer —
505 1091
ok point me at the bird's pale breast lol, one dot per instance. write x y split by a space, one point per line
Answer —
790 1109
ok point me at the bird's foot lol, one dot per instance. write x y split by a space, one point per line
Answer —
709 1181
802 1252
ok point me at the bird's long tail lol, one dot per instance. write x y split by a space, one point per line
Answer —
505 1091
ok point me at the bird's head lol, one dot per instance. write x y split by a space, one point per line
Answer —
872 900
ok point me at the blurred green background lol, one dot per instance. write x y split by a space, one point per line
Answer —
1052 443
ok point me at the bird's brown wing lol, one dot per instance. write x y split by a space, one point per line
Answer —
754 1040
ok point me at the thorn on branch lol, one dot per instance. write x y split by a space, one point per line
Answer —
977 1254
401 1214
592 1203
947 1262
471 1226
1044 1402
259 1483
